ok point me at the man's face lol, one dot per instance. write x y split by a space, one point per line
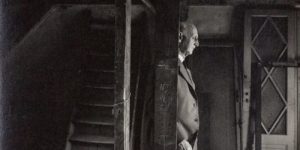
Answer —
189 41
192 42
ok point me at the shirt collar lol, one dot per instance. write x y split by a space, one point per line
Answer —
181 58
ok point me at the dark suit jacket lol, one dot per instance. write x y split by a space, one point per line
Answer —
187 106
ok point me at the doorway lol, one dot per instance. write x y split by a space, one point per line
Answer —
270 38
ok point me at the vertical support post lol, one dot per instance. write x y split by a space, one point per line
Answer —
122 73
166 76
246 81
291 78
255 115
298 76
238 101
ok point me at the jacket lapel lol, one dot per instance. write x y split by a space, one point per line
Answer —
186 75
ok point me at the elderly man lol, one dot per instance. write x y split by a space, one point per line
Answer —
187 109
187 105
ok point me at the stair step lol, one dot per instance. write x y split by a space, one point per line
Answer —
99 71
93 129
95 104
99 62
96 121
96 76
108 21
92 95
89 108
84 112
108 120
101 48
91 146
99 54
105 87
100 27
92 139
101 42
100 102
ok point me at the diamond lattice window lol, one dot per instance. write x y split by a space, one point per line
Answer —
269 44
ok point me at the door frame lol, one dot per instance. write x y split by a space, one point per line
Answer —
297 39
291 72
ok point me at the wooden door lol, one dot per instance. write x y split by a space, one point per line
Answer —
269 37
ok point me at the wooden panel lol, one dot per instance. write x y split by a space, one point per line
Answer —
165 108
213 73
166 75
211 21
274 147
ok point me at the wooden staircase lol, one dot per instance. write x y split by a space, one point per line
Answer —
92 126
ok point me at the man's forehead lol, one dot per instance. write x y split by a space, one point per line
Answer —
184 26
195 31
190 30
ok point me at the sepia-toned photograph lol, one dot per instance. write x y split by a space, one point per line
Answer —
149 74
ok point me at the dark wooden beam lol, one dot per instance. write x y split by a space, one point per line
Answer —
166 76
122 73
237 2
255 108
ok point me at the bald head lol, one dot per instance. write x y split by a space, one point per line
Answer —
187 28
188 38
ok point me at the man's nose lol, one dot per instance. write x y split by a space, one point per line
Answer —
197 43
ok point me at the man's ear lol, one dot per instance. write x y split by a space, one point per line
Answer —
180 37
